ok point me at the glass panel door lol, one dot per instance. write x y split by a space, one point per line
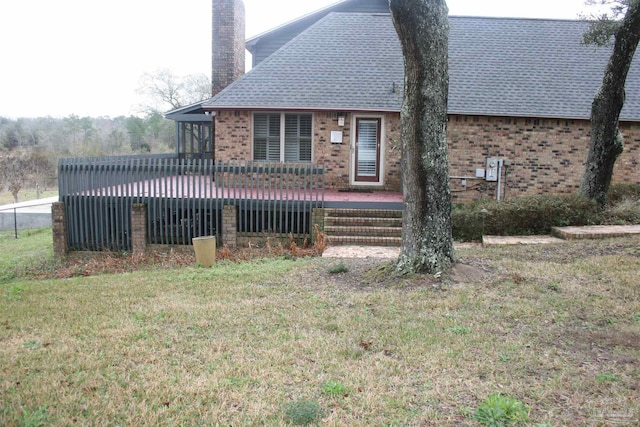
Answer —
367 150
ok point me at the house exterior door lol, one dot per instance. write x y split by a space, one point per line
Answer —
367 150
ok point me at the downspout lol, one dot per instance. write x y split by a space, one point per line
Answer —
499 190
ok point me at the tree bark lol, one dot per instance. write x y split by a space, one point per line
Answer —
423 29
606 143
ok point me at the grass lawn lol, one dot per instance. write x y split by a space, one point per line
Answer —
32 247
555 329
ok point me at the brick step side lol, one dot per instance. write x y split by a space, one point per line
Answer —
355 221
368 213
363 231
364 241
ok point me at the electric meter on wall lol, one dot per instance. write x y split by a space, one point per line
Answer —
492 169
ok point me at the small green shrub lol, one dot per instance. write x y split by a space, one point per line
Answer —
338 268
15 292
498 411
334 389
527 215
303 412
554 287
36 418
504 357
607 378
460 330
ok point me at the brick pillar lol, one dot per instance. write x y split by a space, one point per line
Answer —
230 226
317 218
59 225
139 228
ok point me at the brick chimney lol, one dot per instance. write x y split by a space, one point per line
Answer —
228 43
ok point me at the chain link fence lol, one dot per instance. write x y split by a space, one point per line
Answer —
25 215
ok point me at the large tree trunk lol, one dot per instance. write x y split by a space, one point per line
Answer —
423 29
606 140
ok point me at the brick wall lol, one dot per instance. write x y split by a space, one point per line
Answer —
393 153
234 142
337 157
547 155
228 44
233 135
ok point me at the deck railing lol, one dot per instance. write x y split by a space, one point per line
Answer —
184 198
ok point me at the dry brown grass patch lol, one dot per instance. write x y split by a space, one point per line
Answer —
235 344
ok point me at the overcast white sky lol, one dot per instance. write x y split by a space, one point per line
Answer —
62 57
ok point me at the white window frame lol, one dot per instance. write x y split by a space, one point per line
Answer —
282 133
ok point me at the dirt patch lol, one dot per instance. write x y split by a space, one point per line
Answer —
568 253
620 339
600 346
357 273
468 273
374 273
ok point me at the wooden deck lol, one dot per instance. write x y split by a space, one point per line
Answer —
199 187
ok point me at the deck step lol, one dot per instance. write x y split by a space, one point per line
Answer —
355 221
363 227
332 230
364 241
367 213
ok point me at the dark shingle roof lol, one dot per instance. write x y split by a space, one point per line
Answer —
263 45
498 66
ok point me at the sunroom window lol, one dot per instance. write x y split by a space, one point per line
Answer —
282 137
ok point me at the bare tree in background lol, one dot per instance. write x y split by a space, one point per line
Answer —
15 168
166 91
41 169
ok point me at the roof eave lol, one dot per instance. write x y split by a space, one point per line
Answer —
298 108
393 110
514 115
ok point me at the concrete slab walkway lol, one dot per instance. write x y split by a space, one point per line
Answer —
519 240
383 252
596 231
567 233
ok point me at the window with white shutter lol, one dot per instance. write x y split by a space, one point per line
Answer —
266 137
282 137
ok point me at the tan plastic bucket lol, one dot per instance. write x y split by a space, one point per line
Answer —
205 248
